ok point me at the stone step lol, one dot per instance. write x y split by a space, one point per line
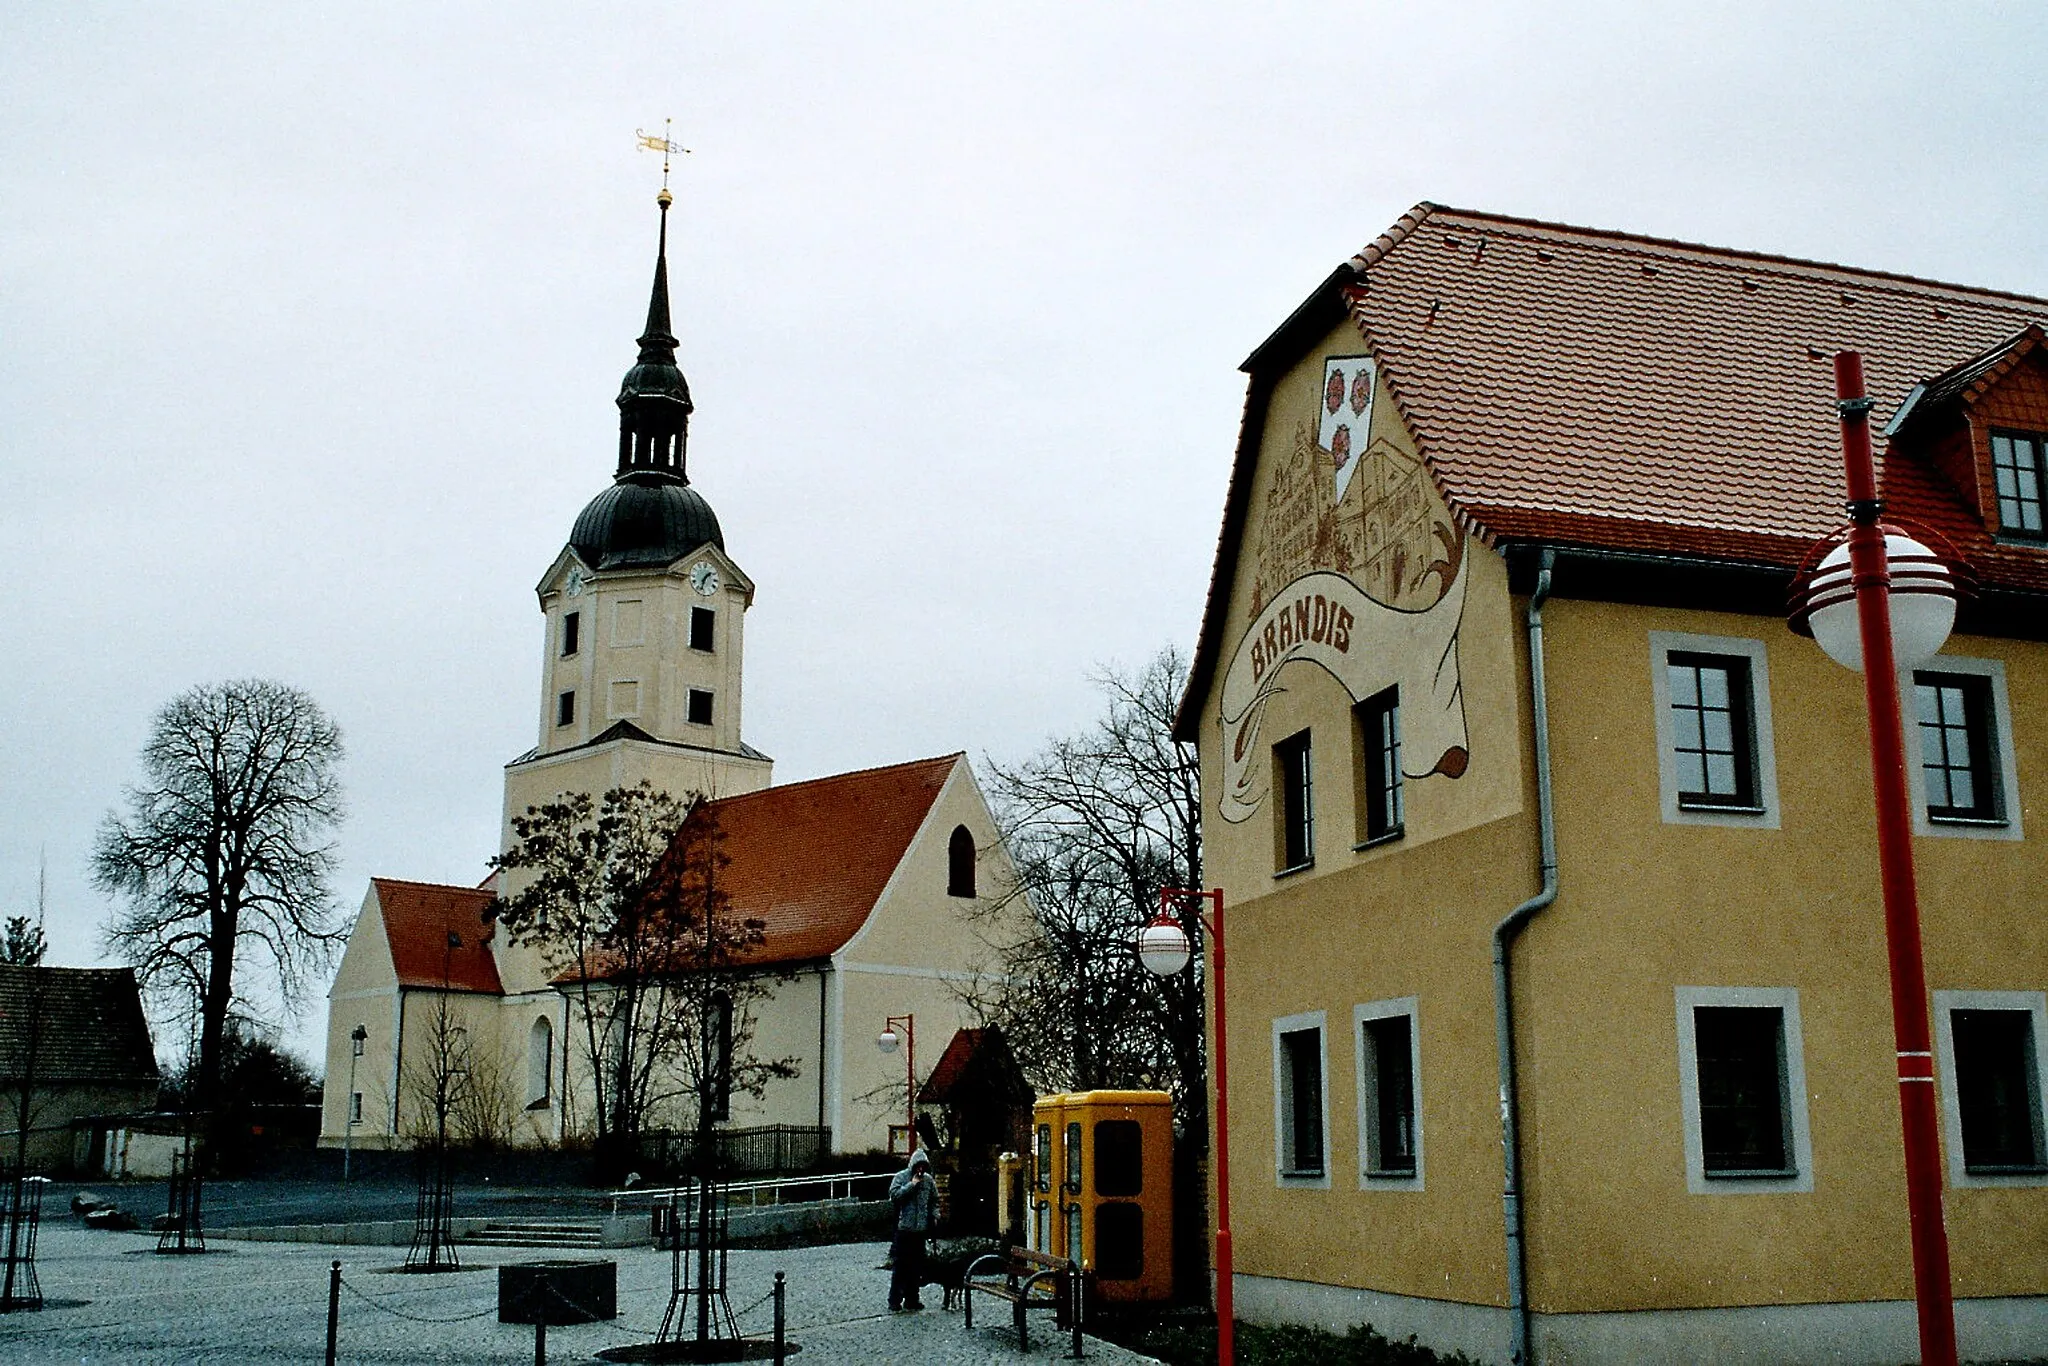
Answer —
539 1235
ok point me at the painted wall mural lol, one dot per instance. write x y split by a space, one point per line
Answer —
1358 570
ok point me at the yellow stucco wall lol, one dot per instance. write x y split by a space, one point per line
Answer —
1646 906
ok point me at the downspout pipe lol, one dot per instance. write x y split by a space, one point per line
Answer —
1504 935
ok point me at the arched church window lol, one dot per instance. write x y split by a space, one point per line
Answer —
960 863
540 1064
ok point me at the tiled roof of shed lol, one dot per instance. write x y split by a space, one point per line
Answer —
419 920
92 1027
1585 387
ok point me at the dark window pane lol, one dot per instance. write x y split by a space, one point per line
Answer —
1119 1157
1302 1053
1073 1181
1379 723
1710 730
571 632
960 863
1297 805
1740 1055
1390 1052
1996 1089
565 709
699 707
1044 1158
1958 753
703 623
1119 1241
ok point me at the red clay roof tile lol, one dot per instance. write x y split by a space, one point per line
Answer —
1578 386
438 935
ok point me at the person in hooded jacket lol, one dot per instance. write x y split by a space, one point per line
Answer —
916 1199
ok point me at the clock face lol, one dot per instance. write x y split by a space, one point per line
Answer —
704 577
574 583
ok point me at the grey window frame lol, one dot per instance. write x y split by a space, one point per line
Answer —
1285 1111
1946 1003
2008 824
1373 1173
1797 1177
1764 814
2029 452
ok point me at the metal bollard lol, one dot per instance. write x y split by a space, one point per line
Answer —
333 1308
1077 1281
779 1318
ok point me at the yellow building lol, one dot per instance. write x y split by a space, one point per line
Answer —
1502 481
881 889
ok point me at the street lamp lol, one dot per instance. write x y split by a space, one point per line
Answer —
889 1042
356 1037
1163 947
1904 599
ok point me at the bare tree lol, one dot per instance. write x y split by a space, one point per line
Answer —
1097 824
625 903
226 848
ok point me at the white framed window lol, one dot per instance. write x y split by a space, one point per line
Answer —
1988 1048
1387 1050
1742 1091
1959 750
1716 762
355 1107
1301 1100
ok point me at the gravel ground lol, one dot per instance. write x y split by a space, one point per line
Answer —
267 1302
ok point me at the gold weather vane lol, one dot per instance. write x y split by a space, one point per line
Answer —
662 144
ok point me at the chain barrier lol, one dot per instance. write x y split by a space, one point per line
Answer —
414 1318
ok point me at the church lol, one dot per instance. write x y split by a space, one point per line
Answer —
881 890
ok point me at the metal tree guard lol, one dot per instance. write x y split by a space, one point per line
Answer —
20 1289
184 1228
702 1229
433 1237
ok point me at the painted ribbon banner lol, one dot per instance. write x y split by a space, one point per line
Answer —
1327 620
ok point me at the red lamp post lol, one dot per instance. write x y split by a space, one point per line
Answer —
888 1042
1163 949
1893 581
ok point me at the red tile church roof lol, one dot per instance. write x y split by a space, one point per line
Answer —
438 935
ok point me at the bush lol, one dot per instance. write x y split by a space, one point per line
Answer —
1188 1344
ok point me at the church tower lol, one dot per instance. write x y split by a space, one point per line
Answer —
643 614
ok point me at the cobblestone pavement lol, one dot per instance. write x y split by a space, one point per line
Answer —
267 1302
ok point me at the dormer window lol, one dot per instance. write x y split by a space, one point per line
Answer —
2019 464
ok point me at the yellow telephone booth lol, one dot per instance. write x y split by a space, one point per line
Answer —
1101 1188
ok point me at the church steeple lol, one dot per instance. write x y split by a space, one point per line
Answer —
654 401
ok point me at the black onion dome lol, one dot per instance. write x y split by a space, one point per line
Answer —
644 521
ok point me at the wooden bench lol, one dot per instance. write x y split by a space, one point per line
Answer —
1026 1279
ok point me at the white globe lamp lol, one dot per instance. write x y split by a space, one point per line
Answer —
1163 947
889 1041
1922 600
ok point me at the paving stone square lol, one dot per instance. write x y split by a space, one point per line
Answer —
267 1302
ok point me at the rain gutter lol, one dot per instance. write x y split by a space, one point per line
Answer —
1504 935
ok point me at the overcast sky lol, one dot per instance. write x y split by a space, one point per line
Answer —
311 319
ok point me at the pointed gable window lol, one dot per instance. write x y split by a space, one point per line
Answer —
960 863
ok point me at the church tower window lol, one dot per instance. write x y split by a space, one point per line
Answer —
703 622
565 709
572 630
699 709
